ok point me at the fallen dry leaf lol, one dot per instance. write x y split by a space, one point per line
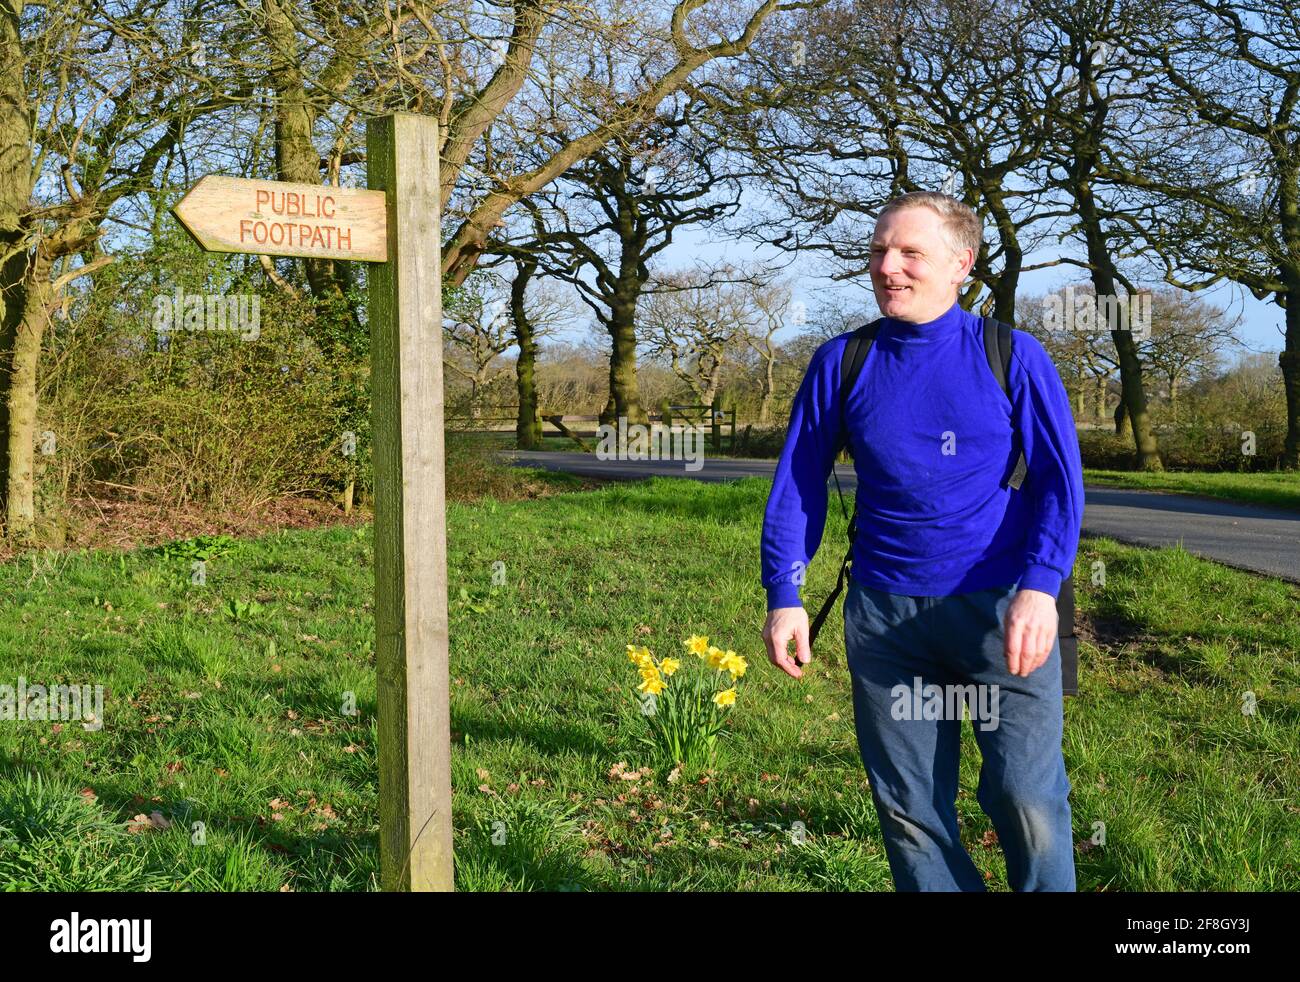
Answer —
143 823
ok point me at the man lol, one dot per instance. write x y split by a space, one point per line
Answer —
954 575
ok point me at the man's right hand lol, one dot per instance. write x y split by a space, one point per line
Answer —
783 625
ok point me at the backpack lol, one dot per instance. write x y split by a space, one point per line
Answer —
997 346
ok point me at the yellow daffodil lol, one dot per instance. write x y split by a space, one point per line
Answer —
670 665
735 664
716 658
655 685
698 645
649 672
725 698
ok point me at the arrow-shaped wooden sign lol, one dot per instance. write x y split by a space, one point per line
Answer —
276 218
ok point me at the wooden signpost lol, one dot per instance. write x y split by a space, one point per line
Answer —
394 225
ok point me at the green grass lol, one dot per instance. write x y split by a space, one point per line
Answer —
226 701
1276 489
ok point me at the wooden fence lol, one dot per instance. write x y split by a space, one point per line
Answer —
503 419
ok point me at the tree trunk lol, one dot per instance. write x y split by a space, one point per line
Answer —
297 159
1004 287
709 392
1133 397
765 407
528 427
15 197
20 508
1135 401
1087 156
1122 423
1289 360
624 392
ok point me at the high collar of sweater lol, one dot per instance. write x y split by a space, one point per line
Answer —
946 324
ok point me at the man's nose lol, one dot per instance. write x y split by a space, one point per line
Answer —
888 263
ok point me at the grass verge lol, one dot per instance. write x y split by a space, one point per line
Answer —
230 757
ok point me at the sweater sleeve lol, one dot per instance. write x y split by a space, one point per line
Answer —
795 516
1054 480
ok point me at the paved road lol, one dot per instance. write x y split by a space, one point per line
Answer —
1263 540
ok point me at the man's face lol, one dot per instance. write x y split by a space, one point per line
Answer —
914 271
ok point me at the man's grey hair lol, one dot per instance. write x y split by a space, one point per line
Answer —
961 226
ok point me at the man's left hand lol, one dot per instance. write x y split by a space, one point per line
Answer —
1029 630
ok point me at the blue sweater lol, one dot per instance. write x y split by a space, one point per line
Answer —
931 436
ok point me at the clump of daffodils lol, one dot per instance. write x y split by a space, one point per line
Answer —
685 718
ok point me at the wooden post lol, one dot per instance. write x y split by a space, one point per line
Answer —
717 424
415 831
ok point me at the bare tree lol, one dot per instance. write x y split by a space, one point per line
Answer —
600 227
769 311
1188 340
636 58
1232 206
696 322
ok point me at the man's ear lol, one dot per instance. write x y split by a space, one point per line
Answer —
968 263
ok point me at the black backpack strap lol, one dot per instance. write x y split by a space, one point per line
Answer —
851 362
829 603
997 346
